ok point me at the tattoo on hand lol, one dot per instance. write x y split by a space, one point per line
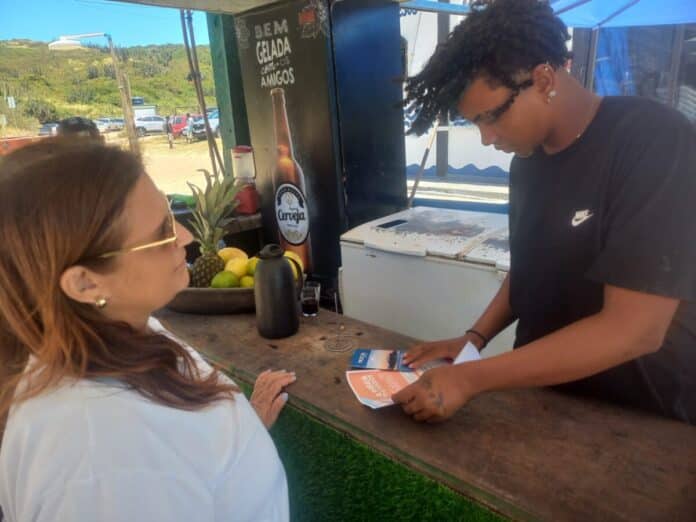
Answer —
437 400
440 402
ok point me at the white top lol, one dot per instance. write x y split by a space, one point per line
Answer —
94 451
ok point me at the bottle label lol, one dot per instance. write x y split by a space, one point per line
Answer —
291 214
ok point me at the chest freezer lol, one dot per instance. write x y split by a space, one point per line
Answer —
425 272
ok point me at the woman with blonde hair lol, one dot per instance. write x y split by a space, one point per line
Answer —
108 416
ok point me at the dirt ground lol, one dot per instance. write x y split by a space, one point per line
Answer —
172 168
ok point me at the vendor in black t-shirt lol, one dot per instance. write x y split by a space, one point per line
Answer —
602 224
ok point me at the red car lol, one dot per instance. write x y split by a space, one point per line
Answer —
179 123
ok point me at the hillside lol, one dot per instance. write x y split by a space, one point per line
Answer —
49 85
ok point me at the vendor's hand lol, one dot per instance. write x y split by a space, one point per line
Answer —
437 395
268 397
424 352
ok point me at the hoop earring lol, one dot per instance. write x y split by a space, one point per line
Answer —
100 303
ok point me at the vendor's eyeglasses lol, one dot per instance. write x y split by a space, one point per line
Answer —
490 117
169 233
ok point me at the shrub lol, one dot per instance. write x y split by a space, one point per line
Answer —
41 110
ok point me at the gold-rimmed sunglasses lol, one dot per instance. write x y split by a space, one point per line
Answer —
170 238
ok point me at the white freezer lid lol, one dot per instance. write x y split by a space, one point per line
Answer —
493 250
437 232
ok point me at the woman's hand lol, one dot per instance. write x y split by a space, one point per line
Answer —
268 397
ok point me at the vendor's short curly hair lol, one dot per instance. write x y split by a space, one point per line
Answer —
498 39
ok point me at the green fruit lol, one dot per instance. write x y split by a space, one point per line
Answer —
224 279
246 282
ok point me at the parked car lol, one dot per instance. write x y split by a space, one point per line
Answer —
102 125
48 129
147 124
179 123
199 125
112 124
108 122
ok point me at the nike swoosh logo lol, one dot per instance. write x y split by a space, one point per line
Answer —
580 217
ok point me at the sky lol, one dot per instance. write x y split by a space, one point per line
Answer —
128 24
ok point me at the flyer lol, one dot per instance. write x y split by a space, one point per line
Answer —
371 359
375 387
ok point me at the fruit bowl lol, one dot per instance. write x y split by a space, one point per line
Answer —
237 300
213 301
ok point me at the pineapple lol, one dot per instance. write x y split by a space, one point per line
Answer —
213 211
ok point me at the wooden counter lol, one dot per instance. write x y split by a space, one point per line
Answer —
528 454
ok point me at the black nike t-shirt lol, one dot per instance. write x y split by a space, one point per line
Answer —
616 207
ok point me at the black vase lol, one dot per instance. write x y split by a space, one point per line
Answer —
275 293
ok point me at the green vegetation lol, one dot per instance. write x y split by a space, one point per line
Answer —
49 85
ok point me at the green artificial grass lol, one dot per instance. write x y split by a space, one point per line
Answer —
332 477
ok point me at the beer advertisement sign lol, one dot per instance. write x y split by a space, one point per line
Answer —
286 68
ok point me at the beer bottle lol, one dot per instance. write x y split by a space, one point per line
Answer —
292 214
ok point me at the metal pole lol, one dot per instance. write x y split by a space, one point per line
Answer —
198 78
618 12
677 51
186 16
129 97
592 59
571 6
442 140
124 92
421 169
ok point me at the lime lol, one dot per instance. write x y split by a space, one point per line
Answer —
246 282
225 279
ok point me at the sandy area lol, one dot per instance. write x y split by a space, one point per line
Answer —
172 168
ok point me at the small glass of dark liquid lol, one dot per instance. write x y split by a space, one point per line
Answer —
310 298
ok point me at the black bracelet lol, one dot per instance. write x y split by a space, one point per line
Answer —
479 334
